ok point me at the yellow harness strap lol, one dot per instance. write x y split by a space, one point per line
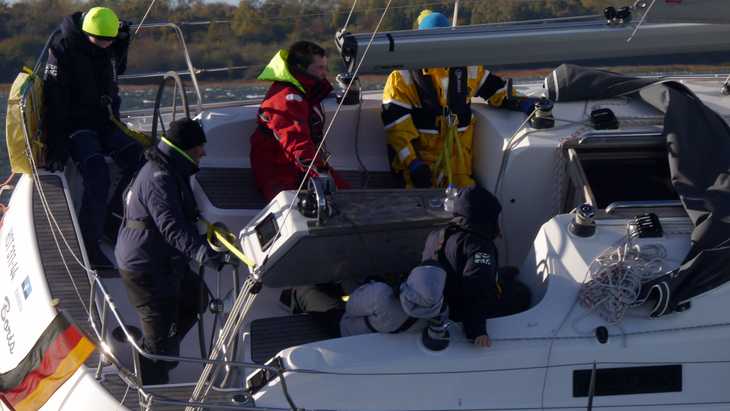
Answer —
226 238
142 138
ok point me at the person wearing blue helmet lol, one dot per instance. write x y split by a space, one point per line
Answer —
428 119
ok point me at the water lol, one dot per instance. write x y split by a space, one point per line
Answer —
139 97
134 98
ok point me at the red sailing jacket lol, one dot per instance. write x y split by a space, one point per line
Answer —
290 126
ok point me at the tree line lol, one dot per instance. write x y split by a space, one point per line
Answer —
248 34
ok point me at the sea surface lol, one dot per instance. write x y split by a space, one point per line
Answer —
135 98
142 98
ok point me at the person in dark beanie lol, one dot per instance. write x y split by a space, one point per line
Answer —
476 288
157 241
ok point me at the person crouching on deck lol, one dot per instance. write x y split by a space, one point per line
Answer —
291 121
377 306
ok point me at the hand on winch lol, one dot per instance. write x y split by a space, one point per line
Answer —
521 103
325 177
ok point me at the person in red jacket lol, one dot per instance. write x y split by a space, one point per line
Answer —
291 121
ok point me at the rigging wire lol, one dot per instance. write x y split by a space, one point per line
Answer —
308 172
347 21
141 22
643 18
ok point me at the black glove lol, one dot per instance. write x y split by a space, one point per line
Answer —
420 174
123 34
57 159
215 261
231 260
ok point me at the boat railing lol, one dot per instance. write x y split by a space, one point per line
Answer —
191 70
100 322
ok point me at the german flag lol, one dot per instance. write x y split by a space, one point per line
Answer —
58 353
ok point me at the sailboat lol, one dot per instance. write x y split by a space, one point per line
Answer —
611 174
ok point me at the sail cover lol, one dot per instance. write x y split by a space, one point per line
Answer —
698 146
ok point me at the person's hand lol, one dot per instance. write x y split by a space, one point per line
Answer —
327 180
215 261
56 161
123 33
230 259
483 341
527 106
420 174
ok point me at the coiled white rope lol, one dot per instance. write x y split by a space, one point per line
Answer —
616 277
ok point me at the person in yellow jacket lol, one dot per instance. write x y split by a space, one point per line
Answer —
428 120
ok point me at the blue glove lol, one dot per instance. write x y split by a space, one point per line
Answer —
420 174
527 105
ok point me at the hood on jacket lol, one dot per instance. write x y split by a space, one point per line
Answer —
422 295
71 32
278 70
478 210
169 158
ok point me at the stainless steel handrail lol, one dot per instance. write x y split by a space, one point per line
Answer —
184 72
625 205
621 138
188 61
100 329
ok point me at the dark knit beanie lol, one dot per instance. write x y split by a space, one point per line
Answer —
186 134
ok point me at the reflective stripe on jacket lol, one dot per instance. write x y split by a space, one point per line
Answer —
290 126
414 104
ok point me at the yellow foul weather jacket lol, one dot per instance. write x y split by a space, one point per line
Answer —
427 116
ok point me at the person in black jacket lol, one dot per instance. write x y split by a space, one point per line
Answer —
157 240
80 90
476 289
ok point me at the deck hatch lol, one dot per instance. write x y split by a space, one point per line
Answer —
629 380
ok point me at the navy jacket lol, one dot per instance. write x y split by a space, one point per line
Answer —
77 75
161 199
470 260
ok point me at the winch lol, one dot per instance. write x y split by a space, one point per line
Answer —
329 237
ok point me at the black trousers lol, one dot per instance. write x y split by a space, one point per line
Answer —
323 302
168 306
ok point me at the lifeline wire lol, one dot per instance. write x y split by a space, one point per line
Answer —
139 26
308 172
347 21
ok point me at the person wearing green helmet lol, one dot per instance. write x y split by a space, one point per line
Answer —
85 57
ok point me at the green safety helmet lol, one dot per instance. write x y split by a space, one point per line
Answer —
101 22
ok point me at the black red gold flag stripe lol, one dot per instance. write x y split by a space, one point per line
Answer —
55 357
